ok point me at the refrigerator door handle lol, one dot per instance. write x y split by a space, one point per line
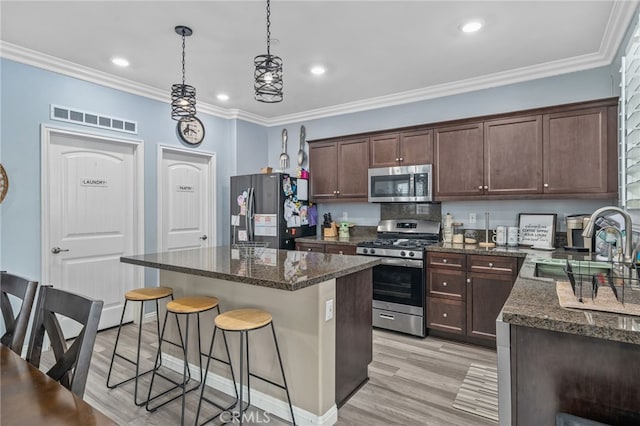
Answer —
250 215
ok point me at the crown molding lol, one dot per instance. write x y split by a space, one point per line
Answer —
621 15
81 72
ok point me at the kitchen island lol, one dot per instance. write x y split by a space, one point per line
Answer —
553 360
326 351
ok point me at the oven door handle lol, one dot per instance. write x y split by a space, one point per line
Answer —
407 263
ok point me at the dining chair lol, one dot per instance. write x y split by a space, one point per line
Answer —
16 325
71 366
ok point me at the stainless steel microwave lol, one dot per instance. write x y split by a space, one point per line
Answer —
400 184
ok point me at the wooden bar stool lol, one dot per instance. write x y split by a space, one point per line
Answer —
138 295
243 321
186 306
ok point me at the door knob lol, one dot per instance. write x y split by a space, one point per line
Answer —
204 237
57 250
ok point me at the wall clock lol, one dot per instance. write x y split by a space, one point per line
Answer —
191 131
4 183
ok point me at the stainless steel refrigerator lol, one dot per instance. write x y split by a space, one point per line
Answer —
271 208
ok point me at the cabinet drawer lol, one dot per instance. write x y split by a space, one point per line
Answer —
446 260
310 247
493 264
339 249
446 315
447 283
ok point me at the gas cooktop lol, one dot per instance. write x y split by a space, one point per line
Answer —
402 238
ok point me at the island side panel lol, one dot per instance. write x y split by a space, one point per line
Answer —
306 341
354 333
559 372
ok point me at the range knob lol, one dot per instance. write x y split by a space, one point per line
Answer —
402 253
411 254
365 251
373 251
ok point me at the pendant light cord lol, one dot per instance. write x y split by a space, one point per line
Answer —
183 61
268 28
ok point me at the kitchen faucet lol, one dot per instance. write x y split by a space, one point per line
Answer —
628 231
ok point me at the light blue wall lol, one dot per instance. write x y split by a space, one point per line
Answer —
251 147
26 95
574 87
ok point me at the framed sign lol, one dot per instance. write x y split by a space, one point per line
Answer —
537 230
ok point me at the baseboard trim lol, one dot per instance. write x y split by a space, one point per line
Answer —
258 399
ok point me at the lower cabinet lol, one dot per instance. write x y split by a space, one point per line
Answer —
327 248
465 293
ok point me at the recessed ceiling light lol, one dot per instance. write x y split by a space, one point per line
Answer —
471 26
223 97
121 62
318 70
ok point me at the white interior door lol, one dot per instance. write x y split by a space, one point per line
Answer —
92 215
185 198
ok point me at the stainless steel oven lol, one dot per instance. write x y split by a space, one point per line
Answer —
399 282
398 295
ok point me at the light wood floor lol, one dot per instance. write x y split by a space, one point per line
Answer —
413 381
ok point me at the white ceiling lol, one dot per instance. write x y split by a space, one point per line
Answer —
376 52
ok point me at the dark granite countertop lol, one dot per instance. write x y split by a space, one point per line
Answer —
475 249
351 241
279 269
533 301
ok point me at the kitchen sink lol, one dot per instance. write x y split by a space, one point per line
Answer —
547 267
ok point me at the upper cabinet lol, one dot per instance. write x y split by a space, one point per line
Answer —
339 169
513 156
459 164
401 149
565 151
576 151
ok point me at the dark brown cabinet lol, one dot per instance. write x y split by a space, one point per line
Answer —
348 249
576 151
564 151
466 292
339 169
489 282
513 156
497 157
401 149
459 164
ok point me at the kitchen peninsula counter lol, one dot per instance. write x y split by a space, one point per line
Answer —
321 309
278 269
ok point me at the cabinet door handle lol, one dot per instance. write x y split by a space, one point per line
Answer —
445 315
340 252
444 284
397 159
309 249
401 159
444 260
546 185
386 316
338 192
486 187
469 280
490 264
480 187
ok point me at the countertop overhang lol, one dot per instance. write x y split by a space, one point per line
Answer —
278 269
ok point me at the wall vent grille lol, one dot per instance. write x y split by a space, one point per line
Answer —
71 115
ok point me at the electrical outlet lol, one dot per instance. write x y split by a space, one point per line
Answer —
472 218
328 310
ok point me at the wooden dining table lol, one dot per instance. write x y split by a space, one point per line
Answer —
30 397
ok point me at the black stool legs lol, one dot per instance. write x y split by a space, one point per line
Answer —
138 374
233 379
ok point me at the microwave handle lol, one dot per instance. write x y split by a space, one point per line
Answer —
412 185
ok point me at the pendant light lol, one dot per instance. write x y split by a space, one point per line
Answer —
268 72
183 96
